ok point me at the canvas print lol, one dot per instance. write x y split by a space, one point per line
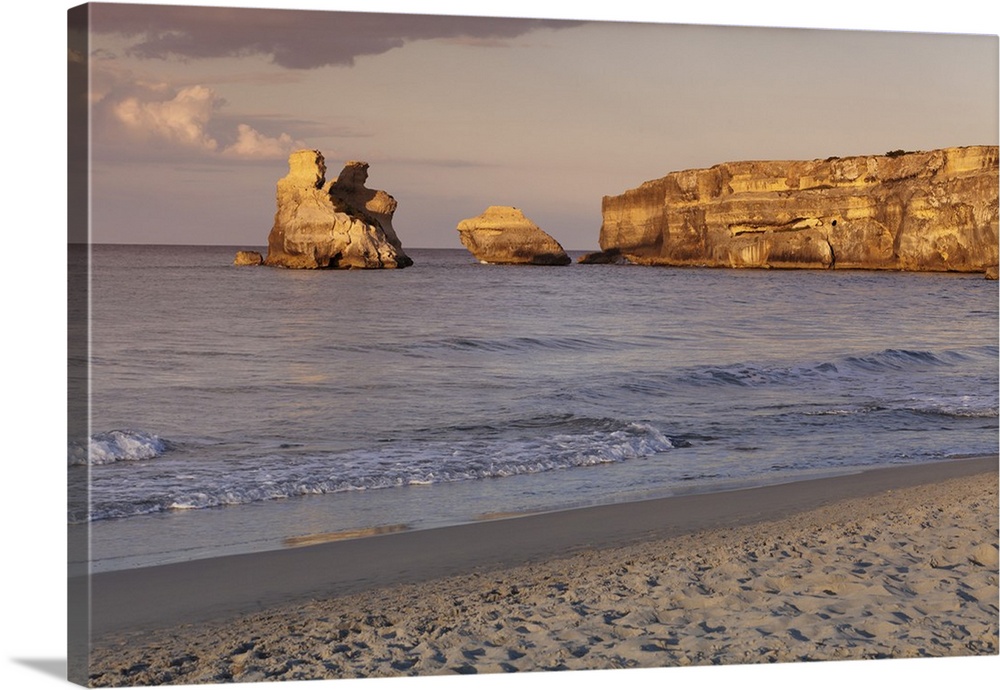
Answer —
425 345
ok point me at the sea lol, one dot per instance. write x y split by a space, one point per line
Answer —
243 409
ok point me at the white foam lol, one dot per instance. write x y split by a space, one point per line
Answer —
115 446
589 442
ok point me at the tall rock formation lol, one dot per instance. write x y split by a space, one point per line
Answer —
920 211
504 235
336 224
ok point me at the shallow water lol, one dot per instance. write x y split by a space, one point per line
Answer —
235 407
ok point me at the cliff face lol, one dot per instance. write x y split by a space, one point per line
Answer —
504 235
336 224
930 211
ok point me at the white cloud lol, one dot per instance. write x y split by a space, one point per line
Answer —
252 144
184 118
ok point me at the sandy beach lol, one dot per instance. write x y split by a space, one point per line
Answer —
885 564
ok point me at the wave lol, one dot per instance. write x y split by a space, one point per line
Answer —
513 345
116 446
884 361
895 360
504 345
572 442
929 408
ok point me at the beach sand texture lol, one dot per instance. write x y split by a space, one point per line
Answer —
903 573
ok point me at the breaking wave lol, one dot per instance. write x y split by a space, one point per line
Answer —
117 446
570 442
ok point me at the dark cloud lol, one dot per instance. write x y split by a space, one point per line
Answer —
298 39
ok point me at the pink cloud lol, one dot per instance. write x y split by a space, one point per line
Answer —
183 119
252 144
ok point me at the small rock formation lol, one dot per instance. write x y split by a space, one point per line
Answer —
248 258
336 224
612 256
503 235
920 211
992 272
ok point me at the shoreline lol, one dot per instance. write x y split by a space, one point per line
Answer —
898 565
228 586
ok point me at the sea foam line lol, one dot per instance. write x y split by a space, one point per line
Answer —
281 475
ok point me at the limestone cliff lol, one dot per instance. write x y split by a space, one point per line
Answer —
336 224
929 210
504 235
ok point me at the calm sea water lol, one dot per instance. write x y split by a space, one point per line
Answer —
234 407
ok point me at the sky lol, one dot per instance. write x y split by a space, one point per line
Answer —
157 191
194 110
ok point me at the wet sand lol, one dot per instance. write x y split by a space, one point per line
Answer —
889 563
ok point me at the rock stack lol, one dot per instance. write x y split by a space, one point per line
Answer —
504 235
335 224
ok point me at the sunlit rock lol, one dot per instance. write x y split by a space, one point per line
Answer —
920 211
248 258
504 235
335 224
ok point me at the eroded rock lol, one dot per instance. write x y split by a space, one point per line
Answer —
504 235
335 224
248 258
921 211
